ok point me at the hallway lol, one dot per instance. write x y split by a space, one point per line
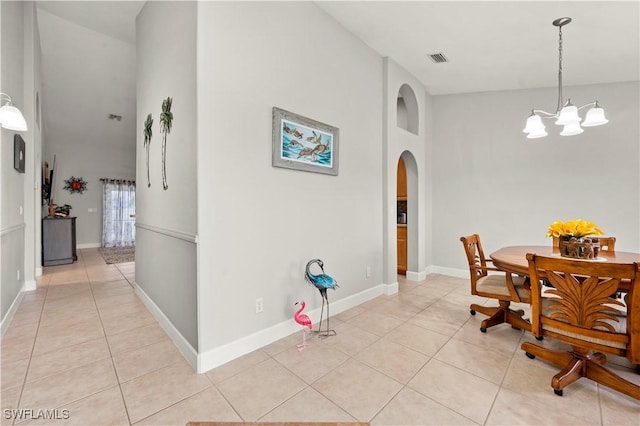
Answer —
83 344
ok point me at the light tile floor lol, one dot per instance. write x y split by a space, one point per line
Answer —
84 344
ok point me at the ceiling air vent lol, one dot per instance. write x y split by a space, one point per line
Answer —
115 117
438 58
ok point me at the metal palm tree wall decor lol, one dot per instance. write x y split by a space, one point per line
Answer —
147 142
166 120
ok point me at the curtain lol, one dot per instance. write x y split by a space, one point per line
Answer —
118 213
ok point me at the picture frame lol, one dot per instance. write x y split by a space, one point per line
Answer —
301 143
18 153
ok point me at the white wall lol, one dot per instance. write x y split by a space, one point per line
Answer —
18 78
104 148
33 139
259 225
491 180
12 196
166 251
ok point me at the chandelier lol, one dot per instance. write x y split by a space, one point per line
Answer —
10 116
566 113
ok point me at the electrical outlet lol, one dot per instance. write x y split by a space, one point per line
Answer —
18 274
259 305
368 272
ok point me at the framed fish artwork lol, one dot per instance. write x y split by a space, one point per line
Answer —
301 143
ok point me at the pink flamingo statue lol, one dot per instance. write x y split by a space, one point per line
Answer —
305 322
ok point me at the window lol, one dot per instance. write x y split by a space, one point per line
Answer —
118 213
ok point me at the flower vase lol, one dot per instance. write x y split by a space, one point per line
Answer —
579 248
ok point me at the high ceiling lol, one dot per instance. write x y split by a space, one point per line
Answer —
112 18
499 45
490 45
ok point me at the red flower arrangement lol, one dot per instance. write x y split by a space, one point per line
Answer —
74 184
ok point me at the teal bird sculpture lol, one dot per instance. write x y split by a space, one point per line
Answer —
322 282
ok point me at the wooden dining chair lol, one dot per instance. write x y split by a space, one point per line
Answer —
580 312
498 285
607 243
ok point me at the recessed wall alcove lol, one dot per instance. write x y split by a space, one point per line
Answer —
407 110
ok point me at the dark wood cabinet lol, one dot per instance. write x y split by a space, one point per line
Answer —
58 241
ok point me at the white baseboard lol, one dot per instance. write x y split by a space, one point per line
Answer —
88 245
221 355
183 346
29 285
39 271
452 272
389 289
11 312
416 276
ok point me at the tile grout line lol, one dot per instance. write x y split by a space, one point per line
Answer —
120 382
224 396
24 382
504 376
350 357
33 345
113 365
406 385
307 385
452 337
84 266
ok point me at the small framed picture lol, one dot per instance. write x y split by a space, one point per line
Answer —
301 143
18 153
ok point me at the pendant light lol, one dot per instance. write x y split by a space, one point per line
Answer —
10 116
566 114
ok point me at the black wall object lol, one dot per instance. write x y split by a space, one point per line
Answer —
18 153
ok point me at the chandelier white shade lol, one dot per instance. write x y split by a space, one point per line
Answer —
566 114
10 116
595 117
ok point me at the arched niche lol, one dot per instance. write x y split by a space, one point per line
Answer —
407 110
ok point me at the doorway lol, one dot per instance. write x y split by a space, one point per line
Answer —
401 217
407 217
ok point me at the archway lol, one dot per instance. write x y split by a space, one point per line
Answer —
407 213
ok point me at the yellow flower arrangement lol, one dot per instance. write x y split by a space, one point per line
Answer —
577 228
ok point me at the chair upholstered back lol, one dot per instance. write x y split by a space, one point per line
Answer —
581 309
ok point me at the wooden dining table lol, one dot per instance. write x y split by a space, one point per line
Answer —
514 258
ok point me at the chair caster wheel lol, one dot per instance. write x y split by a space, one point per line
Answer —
540 338
558 392
472 312
530 355
482 329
